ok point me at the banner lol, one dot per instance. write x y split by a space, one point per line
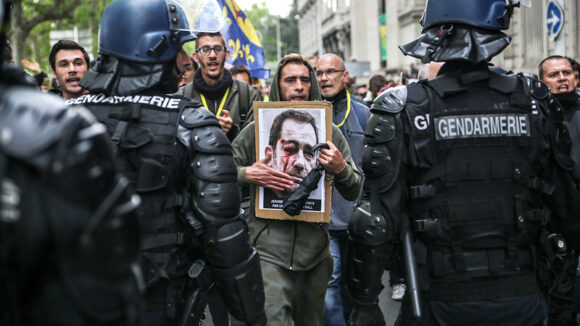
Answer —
242 40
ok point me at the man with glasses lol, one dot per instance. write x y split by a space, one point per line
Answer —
230 100
350 117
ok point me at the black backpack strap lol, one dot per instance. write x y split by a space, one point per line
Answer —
243 101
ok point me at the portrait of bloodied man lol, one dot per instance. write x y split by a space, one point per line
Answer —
288 136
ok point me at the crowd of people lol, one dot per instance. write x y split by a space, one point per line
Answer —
130 193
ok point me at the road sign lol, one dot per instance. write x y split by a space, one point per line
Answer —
554 19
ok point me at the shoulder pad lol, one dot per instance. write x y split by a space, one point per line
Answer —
503 83
392 100
31 121
205 139
193 117
534 87
215 168
381 128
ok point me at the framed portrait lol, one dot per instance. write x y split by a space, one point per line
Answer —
286 132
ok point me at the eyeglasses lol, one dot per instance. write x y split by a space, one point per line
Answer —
205 50
328 72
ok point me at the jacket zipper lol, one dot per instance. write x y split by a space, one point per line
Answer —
293 246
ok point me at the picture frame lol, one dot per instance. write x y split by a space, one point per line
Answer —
281 142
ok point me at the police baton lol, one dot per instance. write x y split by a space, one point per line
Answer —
411 268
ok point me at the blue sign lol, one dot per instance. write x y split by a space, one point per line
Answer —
554 19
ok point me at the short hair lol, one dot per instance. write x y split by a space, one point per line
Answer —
292 58
241 69
209 34
376 83
66 45
575 64
276 128
540 66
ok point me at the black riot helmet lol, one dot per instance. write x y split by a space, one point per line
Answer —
140 39
491 14
153 31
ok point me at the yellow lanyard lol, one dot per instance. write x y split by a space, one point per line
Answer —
347 109
219 111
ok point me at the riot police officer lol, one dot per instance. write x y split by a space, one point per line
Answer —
178 160
475 164
69 233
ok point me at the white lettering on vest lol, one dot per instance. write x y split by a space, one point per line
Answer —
481 126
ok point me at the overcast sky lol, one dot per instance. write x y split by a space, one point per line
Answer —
277 7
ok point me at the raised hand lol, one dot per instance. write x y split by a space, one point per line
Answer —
225 121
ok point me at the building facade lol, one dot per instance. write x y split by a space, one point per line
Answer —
371 31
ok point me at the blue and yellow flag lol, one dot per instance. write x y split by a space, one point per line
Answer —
242 41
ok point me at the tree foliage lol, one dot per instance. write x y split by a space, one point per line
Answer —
265 25
33 20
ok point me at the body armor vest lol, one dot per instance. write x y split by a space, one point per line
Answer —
474 201
143 130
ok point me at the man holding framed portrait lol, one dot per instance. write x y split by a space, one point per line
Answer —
294 253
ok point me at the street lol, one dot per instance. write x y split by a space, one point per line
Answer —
389 307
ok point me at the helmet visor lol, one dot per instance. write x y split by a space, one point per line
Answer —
202 15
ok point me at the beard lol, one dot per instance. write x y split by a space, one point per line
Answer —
170 78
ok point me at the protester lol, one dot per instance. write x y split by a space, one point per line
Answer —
229 100
360 90
351 118
242 73
69 62
413 72
295 258
41 80
312 61
190 69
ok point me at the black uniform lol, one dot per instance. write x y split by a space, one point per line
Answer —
557 275
478 164
180 163
68 223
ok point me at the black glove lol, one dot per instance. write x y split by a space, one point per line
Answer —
366 315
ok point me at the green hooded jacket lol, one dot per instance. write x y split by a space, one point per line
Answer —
293 245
